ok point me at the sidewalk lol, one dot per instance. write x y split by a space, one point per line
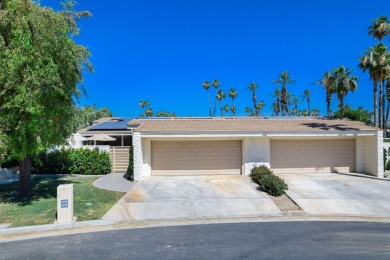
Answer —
114 182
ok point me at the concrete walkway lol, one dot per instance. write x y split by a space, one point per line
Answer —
192 197
331 193
114 182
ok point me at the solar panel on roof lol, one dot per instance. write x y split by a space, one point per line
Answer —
120 125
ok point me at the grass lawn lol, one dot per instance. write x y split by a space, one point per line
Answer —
89 202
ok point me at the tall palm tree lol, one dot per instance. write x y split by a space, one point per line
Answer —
259 107
275 108
277 104
144 104
206 86
249 111
226 108
315 112
296 103
380 28
220 96
252 87
375 61
284 79
215 84
344 83
149 112
327 82
233 109
233 94
306 95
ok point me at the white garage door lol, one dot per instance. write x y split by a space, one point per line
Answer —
196 158
295 156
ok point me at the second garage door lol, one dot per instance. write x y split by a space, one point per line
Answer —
334 155
196 158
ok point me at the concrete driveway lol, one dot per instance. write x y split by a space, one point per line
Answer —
331 193
192 197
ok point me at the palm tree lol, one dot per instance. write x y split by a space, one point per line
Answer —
149 112
284 80
249 111
315 112
375 61
233 94
277 104
259 107
220 96
206 86
380 28
306 95
344 83
275 108
144 104
252 87
215 84
296 103
226 108
327 82
233 109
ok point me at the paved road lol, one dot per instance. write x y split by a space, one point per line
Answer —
276 240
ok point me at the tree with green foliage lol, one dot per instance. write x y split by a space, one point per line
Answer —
252 87
380 28
358 114
84 116
284 80
220 96
259 107
41 69
277 104
306 96
226 108
206 86
216 85
327 82
144 104
233 94
165 114
344 83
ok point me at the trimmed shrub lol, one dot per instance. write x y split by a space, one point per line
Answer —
72 161
130 168
387 166
258 171
268 181
272 184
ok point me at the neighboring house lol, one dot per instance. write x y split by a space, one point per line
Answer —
199 146
115 127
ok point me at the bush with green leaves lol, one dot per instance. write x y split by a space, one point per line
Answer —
73 161
387 166
130 168
268 181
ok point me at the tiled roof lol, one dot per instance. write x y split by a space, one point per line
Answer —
248 124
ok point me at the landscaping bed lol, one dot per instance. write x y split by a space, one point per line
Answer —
89 202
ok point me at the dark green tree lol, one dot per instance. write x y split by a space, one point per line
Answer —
41 69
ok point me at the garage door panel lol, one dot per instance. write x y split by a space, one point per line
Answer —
334 155
196 158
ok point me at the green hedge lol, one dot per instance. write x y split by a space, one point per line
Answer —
130 168
268 181
73 161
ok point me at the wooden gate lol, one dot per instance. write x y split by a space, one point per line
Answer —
119 158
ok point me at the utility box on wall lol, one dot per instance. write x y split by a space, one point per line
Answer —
65 203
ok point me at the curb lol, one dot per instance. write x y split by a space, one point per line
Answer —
39 231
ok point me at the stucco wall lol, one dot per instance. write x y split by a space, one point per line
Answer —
137 156
374 155
255 151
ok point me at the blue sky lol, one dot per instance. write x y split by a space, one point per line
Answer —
164 50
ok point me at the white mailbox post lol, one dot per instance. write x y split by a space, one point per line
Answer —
65 203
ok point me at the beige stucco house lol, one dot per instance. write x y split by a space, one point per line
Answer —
199 146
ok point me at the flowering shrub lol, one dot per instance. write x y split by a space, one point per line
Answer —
73 161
